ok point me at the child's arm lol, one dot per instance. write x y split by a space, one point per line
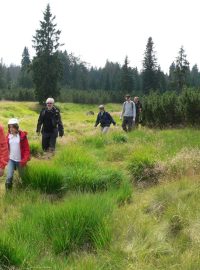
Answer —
26 153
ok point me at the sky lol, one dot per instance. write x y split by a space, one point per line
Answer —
97 30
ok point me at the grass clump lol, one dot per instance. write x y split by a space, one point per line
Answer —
143 168
35 149
9 258
120 138
81 223
96 142
43 176
91 179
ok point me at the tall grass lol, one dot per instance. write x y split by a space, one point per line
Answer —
43 176
83 222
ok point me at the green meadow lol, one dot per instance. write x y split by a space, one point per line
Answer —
113 202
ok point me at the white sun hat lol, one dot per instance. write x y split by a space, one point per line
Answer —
13 121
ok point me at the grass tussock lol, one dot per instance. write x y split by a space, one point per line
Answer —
43 176
81 223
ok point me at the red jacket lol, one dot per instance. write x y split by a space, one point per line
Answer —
3 149
24 147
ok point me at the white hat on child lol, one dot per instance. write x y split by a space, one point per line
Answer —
13 121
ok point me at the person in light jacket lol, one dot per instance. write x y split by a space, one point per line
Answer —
128 114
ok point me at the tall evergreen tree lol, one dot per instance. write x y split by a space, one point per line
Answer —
25 76
195 77
126 77
46 65
149 72
182 70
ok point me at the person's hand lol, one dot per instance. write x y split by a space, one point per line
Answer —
38 133
1 172
61 133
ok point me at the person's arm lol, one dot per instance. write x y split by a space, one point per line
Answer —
123 110
97 121
3 151
111 119
134 112
26 153
40 122
60 126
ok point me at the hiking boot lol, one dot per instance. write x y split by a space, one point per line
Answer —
8 186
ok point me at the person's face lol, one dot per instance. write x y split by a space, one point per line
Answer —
13 129
49 105
128 98
101 109
136 100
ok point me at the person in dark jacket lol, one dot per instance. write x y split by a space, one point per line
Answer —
50 125
104 119
138 108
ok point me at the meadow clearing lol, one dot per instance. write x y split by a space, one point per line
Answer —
120 201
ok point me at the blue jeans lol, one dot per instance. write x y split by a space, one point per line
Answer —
12 166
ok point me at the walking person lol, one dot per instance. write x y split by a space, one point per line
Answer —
105 119
50 125
3 151
19 151
138 108
128 114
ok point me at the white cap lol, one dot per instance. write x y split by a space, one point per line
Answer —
50 100
101 106
13 121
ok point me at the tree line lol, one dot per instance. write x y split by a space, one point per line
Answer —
53 69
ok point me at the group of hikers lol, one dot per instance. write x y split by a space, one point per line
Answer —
14 147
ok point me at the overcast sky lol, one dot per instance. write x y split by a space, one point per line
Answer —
97 30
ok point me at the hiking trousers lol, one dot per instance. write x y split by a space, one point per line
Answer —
104 129
49 140
127 123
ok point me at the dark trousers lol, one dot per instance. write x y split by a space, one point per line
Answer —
137 119
127 123
49 140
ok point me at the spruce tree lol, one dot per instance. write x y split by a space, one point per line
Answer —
149 72
46 65
25 76
182 70
126 77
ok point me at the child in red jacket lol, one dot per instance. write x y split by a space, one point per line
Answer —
3 151
19 151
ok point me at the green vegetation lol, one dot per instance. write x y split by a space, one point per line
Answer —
119 201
